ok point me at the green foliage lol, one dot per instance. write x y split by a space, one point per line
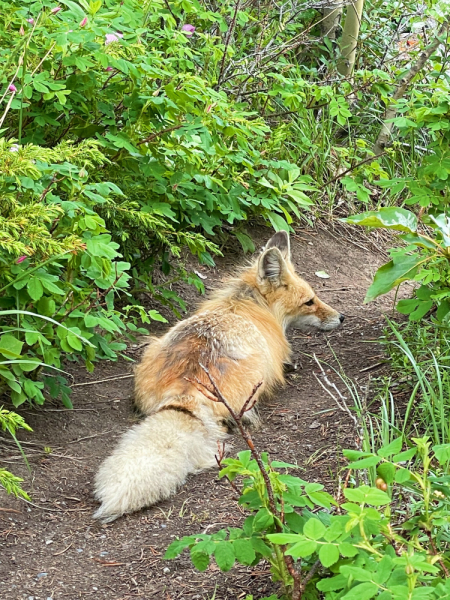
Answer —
60 271
367 545
424 257
11 422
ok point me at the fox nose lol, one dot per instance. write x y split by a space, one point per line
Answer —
341 318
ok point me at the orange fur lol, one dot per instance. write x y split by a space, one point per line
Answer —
239 335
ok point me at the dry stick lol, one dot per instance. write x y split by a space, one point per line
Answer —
218 397
102 380
391 111
342 402
227 42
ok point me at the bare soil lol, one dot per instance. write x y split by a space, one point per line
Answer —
52 549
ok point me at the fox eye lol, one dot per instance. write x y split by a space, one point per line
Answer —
309 303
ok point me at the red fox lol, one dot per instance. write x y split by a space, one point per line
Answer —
240 336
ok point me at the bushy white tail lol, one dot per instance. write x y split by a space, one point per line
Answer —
153 459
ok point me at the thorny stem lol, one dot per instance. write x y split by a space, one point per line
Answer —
237 418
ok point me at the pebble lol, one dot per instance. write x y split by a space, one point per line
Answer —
40 575
166 570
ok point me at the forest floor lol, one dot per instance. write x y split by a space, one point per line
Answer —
52 549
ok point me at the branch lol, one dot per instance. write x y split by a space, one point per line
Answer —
391 110
227 42
216 396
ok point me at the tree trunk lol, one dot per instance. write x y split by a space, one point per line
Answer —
331 18
391 110
349 39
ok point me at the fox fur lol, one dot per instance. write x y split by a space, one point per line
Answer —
239 334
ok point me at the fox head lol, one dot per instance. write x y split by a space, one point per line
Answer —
289 297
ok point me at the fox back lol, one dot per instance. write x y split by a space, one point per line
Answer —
239 334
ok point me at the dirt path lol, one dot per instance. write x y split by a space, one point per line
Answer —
53 550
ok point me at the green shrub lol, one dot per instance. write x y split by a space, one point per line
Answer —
386 542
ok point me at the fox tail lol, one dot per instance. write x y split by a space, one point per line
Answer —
154 458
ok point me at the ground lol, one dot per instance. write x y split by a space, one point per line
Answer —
52 549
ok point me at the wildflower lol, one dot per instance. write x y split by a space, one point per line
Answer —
31 21
12 88
112 37
109 69
21 30
14 148
188 30
56 10
83 22
21 259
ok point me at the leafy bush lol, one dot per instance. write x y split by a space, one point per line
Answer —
11 422
60 272
388 541
424 257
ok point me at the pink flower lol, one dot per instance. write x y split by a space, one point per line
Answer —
14 148
188 30
12 88
30 21
112 37
21 259
56 10
109 69
83 22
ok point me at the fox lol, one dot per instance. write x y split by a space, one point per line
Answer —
239 334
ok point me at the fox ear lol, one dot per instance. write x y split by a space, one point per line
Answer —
281 241
271 266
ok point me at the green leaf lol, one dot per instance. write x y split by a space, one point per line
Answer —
364 463
402 475
393 448
263 519
404 456
348 550
302 549
102 246
392 274
177 547
387 472
278 222
245 241
355 573
244 551
442 452
10 346
368 495
284 538
364 591
332 584
224 555
200 560
35 289
314 529
391 217
328 554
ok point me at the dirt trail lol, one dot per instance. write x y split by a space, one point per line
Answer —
53 550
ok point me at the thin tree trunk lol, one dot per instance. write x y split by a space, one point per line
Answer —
349 39
391 110
332 15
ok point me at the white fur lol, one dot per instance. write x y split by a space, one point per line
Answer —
308 322
153 459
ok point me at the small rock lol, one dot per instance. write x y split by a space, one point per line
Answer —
48 542
314 425
166 570
79 549
40 575
104 553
